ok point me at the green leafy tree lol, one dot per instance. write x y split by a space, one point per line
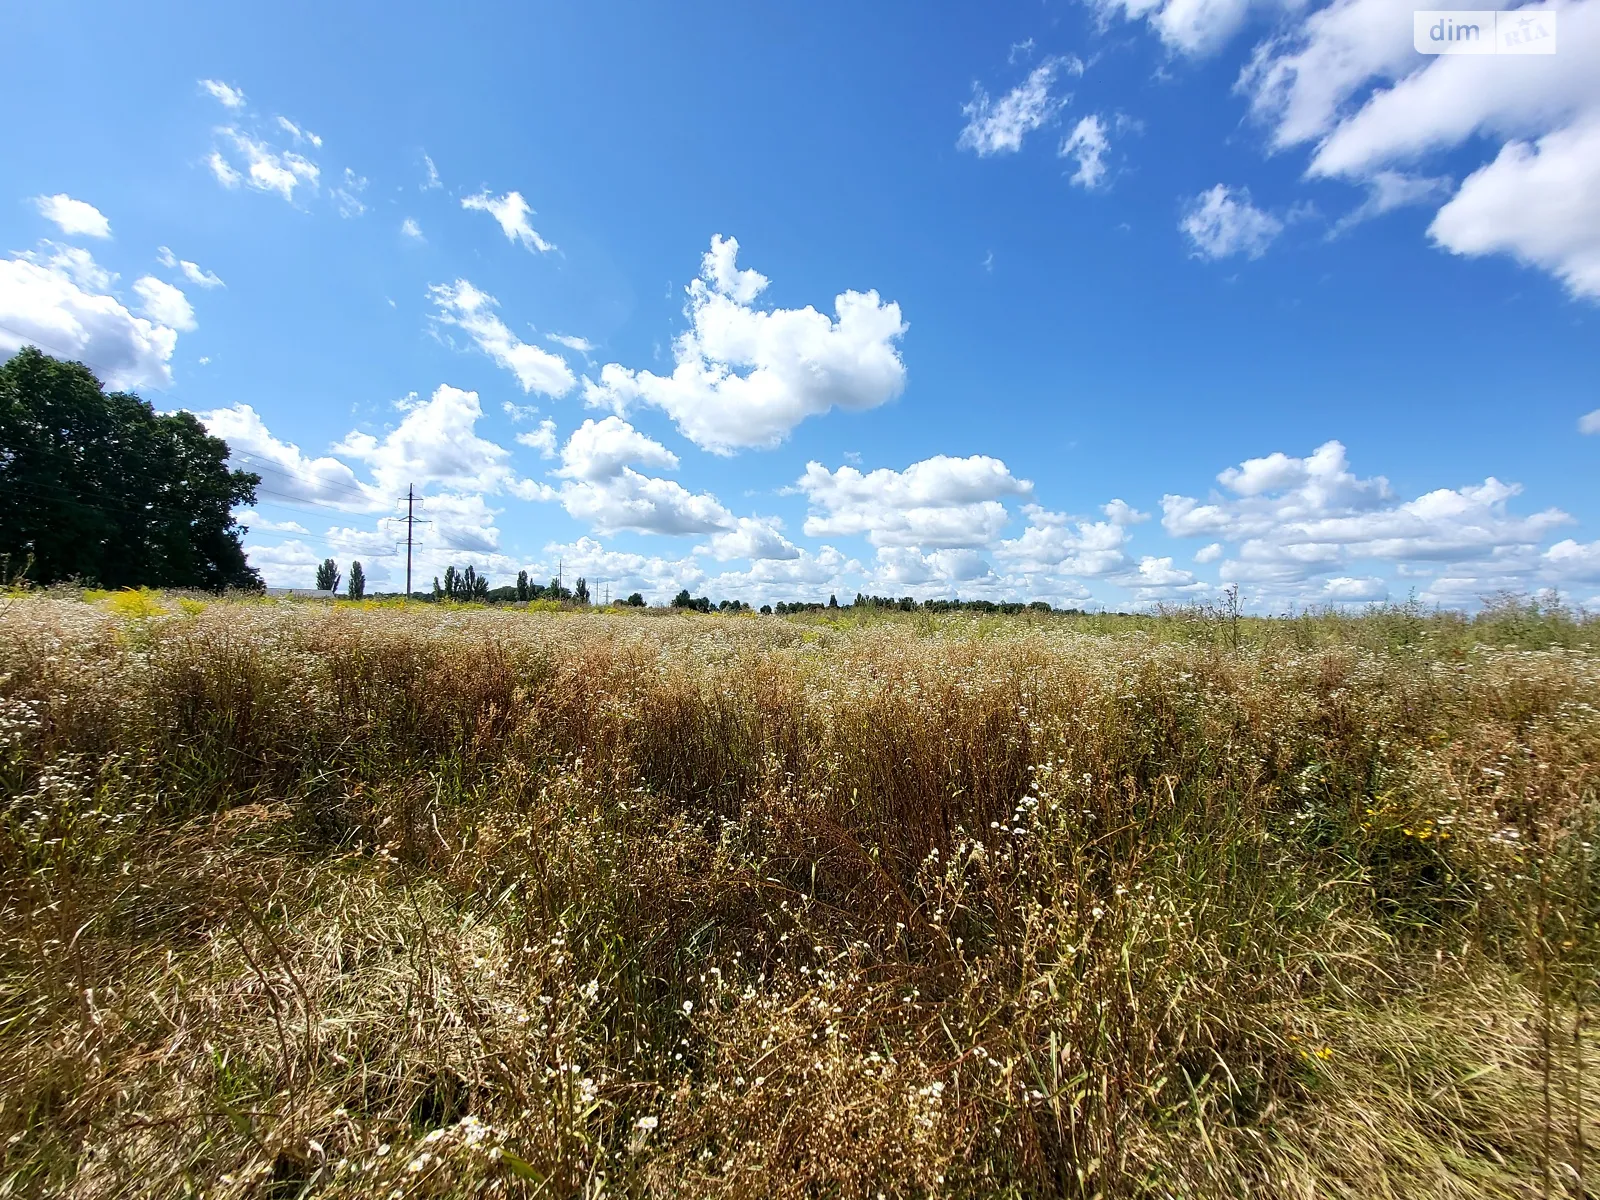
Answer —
450 585
523 591
358 581
328 576
580 590
636 600
98 486
683 599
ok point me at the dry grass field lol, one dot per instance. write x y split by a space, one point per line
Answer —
389 901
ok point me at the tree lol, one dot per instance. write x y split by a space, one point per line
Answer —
462 585
328 576
523 592
358 581
833 602
636 600
98 486
580 590
683 599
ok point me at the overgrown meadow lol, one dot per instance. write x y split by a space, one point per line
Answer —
416 901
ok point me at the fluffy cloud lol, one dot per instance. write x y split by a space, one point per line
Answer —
1222 222
745 377
255 521
265 168
600 449
436 442
1155 580
286 473
542 439
465 307
512 213
1056 544
900 567
940 502
998 126
191 271
61 303
1537 202
164 304
806 575
1569 561
1347 81
1295 518
409 228
73 217
1299 81
604 491
1589 422
1088 144
755 538
1191 26
1346 589
225 95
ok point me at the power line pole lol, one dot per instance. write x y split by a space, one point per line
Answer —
412 521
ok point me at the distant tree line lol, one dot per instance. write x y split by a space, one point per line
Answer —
466 585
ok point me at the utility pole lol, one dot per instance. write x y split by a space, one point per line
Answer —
412 521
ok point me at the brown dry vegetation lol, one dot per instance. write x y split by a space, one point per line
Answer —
426 901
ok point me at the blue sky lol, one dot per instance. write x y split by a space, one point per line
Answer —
1107 303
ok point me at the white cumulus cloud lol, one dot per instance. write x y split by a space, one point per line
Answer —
745 376
604 491
73 217
61 303
1291 519
286 473
164 304
940 502
436 442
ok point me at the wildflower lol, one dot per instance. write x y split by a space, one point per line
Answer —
647 1123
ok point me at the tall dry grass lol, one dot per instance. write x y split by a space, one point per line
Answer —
415 902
